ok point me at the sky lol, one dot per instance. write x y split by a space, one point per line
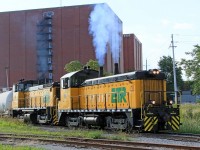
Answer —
152 21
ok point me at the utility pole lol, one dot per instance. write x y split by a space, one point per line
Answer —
60 3
174 70
146 63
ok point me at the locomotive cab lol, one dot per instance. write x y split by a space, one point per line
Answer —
70 86
19 92
23 85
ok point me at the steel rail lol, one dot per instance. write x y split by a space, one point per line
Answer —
99 143
175 136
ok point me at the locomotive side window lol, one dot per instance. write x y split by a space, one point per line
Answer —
26 86
19 87
76 81
65 83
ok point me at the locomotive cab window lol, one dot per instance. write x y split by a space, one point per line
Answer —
65 83
26 86
18 87
76 81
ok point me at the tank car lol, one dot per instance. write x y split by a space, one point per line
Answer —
135 100
6 102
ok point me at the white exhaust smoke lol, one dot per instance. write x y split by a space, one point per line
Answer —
105 28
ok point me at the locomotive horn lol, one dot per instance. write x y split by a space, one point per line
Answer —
116 69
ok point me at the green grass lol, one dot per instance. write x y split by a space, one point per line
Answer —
189 113
9 125
9 147
190 118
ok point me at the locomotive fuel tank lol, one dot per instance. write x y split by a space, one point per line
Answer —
92 120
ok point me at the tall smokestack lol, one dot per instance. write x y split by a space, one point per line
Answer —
101 71
116 69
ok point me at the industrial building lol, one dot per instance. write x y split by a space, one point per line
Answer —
60 35
132 53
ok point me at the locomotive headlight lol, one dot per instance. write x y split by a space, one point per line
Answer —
157 72
154 71
153 102
170 102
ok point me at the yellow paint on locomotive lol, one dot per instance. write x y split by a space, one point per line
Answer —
42 98
69 99
18 100
116 95
45 97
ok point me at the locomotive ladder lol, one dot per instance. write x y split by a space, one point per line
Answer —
55 113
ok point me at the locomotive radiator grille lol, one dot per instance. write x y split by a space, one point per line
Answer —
150 122
174 122
153 90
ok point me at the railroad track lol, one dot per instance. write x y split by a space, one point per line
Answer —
175 136
96 143
188 137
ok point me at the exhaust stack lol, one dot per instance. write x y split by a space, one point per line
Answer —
116 69
101 71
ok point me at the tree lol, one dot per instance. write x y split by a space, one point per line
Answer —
73 66
93 64
192 70
166 65
187 86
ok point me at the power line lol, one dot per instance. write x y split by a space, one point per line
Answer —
186 41
194 35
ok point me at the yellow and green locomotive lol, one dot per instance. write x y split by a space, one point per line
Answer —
34 102
135 100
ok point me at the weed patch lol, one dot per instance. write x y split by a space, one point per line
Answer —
190 118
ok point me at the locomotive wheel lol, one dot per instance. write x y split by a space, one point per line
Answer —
129 128
89 126
67 121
